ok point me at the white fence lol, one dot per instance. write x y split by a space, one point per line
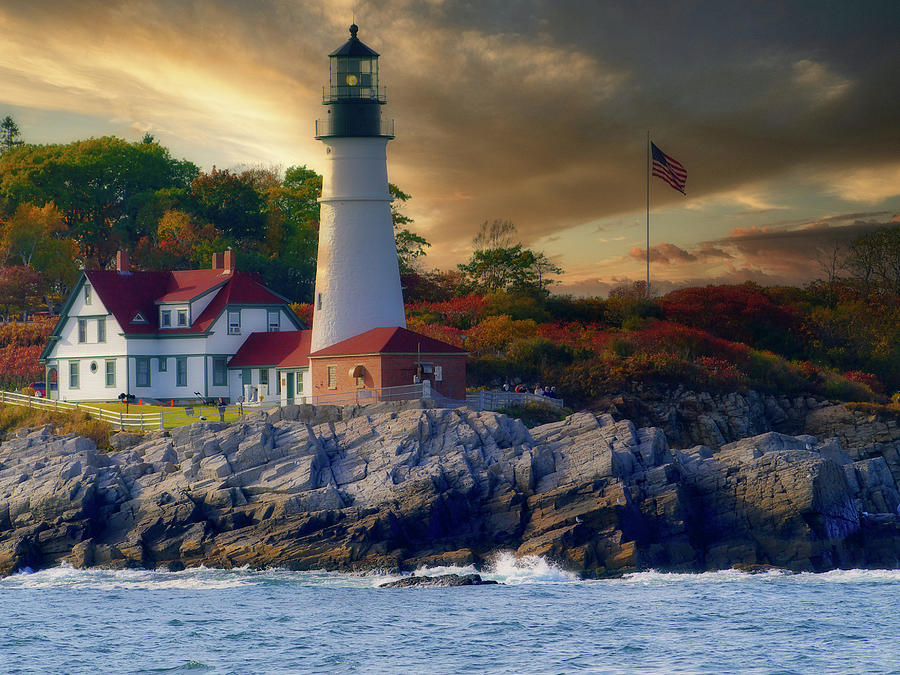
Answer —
126 419
492 400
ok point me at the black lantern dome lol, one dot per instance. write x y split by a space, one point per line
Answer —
353 95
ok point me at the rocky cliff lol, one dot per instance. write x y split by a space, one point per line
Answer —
367 488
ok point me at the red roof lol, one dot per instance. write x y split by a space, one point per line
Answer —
284 349
185 285
389 340
125 294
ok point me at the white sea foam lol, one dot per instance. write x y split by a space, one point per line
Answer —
529 569
505 568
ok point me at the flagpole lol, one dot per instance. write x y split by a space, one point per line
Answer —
648 214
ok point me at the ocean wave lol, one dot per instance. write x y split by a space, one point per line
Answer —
504 567
651 577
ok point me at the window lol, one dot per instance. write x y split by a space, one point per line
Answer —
181 371
87 294
220 374
111 373
73 374
182 317
82 330
332 377
246 376
163 364
438 373
165 318
299 389
234 322
274 320
101 329
264 376
139 318
142 371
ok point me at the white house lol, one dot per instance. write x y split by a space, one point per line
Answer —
160 335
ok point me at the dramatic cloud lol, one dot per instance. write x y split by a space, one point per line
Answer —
536 112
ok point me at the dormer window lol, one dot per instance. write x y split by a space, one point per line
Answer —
182 318
165 318
234 322
274 321
88 292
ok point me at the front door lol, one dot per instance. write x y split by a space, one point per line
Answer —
289 389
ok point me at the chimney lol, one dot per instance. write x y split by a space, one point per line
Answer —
229 261
123 264
218 261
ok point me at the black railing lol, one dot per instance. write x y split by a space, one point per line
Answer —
330 127
357 93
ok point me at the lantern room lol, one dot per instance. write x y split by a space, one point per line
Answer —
354 72
353 95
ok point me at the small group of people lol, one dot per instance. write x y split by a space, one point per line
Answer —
549 392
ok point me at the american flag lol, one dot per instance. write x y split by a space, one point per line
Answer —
669 169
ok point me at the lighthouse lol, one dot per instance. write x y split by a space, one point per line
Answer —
357 275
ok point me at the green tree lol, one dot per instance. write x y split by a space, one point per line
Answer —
410 245
496 264
96 184
9 135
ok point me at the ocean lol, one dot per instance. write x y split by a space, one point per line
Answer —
541 620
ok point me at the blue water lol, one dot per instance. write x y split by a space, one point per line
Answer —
542 621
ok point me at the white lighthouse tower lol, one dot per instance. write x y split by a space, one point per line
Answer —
357 275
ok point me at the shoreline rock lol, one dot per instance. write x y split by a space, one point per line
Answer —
440 581
399 487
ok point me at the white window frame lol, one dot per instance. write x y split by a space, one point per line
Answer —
165 318
163 365
264 376
220 371
110 371
101 329
273 326
234 327
138 382
82 331
88 295
332 377
181 372
74 374
183 318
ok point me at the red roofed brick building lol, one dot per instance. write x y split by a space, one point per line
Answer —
389 357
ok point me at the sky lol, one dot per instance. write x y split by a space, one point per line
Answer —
785 114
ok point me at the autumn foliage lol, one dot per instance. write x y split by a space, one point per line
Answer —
719 338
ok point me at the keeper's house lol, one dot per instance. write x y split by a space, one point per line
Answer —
162 335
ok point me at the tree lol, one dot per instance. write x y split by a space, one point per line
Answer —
27 230
875 260
231 202
495 234
21 289
410 246
498 265
9 135
97 185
